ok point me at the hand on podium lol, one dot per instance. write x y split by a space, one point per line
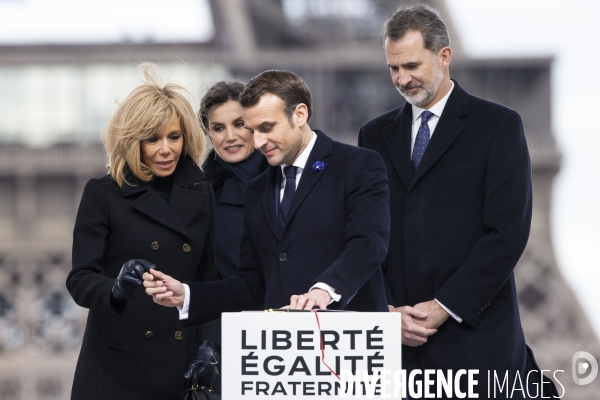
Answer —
316 298
413 333
166 291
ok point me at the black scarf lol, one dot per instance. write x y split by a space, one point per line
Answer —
245 170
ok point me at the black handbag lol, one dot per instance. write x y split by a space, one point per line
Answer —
203 370
199 392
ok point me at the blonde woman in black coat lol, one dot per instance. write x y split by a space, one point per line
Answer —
153 205
229 168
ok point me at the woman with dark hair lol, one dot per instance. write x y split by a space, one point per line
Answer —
229 168
153 205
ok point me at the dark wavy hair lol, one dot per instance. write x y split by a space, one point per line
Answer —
219 93
286 85
420 18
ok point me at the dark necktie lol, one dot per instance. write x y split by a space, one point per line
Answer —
288 193
421 141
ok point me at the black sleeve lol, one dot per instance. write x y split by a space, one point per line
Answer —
86 282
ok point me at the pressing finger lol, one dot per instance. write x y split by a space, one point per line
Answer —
310 304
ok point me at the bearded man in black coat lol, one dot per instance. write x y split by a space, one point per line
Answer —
460 201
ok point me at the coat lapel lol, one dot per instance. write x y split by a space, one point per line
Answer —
268 199
448 129
185 202
154 207
320 152
397 139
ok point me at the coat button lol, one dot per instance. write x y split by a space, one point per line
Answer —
187 248
149 335
154 245
283 257
178 335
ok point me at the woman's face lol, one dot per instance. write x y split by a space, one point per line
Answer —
232 142
161 151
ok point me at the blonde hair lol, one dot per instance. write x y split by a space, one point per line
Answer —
148 109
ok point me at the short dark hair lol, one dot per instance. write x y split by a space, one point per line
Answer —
286 85
420 18
219 93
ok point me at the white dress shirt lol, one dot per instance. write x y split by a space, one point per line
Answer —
432 122
300 164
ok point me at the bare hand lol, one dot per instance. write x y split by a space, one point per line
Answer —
436 315
413 334
164 290
315 298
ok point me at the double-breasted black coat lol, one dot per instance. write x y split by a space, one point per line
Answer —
137 349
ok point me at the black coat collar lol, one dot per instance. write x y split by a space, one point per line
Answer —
186 173
321 150
215 174
185 201
233 191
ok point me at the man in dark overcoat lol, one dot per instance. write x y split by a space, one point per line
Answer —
460 202
316 223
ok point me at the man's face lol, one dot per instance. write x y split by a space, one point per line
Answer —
274 136
416 72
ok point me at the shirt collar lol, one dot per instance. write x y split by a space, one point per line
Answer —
436 109
301 160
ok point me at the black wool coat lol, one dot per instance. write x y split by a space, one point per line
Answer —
458 228
229 214
337 233
138 349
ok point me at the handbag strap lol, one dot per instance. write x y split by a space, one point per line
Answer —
195 380
195 385
201 393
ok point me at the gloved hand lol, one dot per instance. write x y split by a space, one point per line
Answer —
205 364
130 278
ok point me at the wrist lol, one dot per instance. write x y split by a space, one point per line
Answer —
324 294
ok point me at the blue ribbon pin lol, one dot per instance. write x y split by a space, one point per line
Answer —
318 166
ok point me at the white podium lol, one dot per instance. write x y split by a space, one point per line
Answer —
307 354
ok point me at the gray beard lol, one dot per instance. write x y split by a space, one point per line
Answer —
427 92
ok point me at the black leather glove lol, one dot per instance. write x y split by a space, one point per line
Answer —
204 365
130 278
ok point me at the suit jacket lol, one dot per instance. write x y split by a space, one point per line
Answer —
459 226
336 232
133 350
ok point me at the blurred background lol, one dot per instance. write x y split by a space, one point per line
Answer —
65 64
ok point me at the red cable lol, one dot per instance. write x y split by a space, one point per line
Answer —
323 346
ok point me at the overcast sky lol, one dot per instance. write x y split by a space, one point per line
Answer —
105 21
